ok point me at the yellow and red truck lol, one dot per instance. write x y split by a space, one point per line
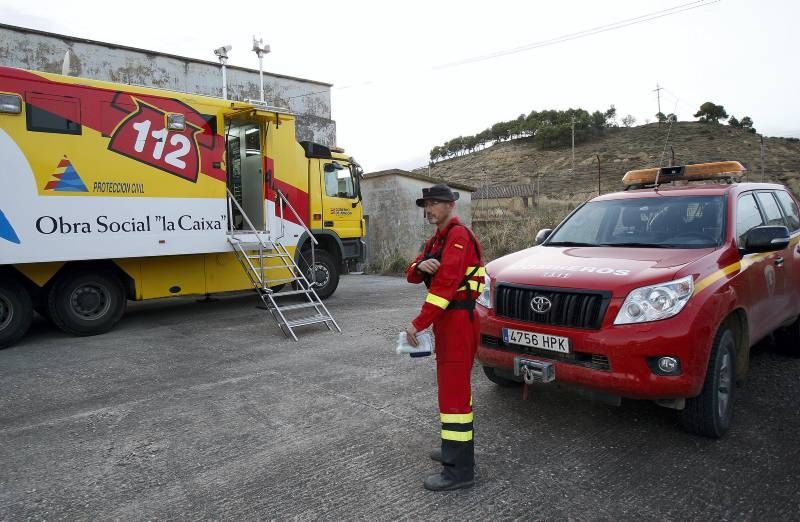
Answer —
112 192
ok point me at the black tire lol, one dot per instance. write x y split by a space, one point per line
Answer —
788 339
710 413
86 303
16 312
326 271
500 381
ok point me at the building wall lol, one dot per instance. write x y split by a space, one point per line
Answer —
39 51
396 227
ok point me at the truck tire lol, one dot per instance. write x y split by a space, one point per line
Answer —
710 413
86 303
16 312
788 339
500 381
325 270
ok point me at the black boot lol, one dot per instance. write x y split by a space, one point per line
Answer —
436 455
447 481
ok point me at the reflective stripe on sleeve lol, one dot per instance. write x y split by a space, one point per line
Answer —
435 300
473 285
480 272
459 436
456 418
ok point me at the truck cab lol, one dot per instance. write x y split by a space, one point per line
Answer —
657 292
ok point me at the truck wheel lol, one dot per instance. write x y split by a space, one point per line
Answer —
710 413
16 312
325 272
500 381
86 303
788 339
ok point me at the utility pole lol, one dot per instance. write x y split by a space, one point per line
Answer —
762 158
573 145
598 174
658 96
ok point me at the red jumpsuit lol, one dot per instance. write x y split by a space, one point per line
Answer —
451 294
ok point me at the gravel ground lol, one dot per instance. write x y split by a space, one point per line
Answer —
191 410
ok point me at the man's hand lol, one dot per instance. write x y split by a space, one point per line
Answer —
411 335
429 266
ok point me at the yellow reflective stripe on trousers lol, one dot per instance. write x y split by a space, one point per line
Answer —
435 300
456 418
473 285
459 436
480 272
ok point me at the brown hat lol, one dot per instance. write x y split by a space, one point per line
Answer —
437 192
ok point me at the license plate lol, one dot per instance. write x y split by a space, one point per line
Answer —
554 343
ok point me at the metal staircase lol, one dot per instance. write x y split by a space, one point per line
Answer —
263 259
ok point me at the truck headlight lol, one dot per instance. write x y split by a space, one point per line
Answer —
485 299
656 302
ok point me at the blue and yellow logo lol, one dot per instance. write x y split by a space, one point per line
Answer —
6 230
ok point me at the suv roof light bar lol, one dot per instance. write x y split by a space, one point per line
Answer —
718 170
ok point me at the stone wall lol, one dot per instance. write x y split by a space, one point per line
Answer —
396 227
41 51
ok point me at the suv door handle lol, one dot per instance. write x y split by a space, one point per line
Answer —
779 261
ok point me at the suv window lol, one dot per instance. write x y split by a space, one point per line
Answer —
790 209
747 216
770 208
659 222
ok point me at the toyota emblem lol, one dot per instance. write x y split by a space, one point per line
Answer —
540 305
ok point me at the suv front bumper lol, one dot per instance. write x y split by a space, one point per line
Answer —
617 359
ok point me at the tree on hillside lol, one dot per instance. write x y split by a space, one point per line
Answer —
745 123
611 116
628 121
711 113
661 117
671 117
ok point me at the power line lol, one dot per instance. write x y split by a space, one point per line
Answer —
552 41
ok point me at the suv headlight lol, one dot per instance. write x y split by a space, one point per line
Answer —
485 299
656 302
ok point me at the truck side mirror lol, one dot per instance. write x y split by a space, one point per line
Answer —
542 235
767 238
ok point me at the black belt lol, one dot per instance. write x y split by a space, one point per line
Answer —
463 304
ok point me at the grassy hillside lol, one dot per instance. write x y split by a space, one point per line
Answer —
620 150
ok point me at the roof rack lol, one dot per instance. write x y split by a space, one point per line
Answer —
716 171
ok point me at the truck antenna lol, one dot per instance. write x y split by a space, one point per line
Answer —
222 54
260 49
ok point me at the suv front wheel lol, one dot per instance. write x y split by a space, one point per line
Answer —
710 413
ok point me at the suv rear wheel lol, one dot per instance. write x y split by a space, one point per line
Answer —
788 339
710 413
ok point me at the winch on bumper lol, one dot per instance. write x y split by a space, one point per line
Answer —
622 360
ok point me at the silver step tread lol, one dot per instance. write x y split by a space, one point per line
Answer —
297 306
313 319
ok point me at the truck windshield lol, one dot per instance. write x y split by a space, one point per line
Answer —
659 222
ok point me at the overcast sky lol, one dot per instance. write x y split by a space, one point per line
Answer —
396 93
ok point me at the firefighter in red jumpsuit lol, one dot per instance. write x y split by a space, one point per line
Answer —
451 265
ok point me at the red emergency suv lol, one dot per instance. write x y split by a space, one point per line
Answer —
657 292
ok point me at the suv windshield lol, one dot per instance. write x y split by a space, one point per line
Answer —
658 222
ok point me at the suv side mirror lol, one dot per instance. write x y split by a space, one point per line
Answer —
542 235
766 239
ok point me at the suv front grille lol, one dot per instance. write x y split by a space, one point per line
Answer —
570 308
594 361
